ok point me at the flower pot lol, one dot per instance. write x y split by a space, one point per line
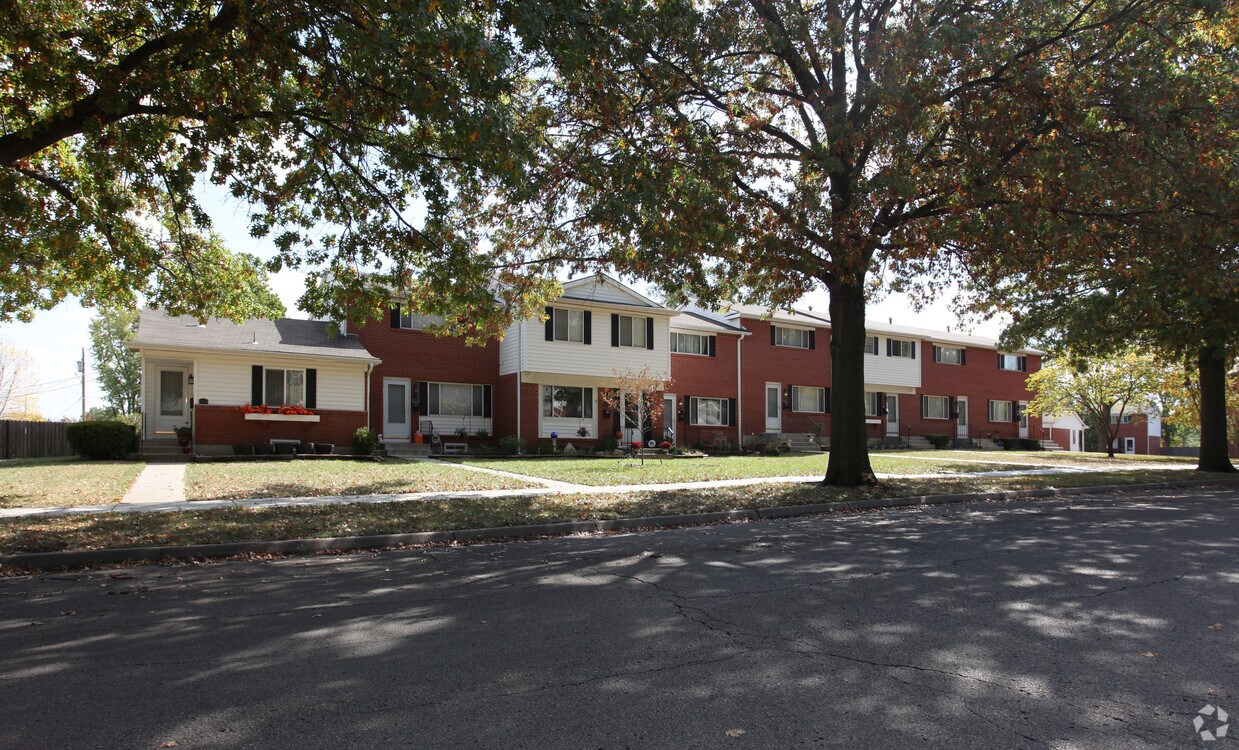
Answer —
324 449
243 449
263 449
304 449
285 449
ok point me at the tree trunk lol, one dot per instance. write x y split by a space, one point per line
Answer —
1214 449
849 444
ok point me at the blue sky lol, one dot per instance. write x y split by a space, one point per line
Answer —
55 337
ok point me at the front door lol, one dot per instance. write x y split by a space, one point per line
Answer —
173 409
669 418
774 402
397 414
961 407
1024 419
1129 446
892 414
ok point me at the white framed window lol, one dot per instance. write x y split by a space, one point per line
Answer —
1012 362
709 412
283 387
456 400
873 404
871 345
692 343
568 325
936 407
1114 419
949 355
418 322
809 399
1000 411
569 402
632 331
901 348
796 338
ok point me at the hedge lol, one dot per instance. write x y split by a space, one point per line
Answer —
105 440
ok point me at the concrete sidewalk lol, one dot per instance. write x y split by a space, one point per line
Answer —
151 502
158 483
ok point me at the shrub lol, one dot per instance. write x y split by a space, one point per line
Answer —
1009 444
509 445
770 448
938 441
111 439
482 434
1029 444
364 441
543 448
607 445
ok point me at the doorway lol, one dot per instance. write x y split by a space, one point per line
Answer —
774 404
173 411
397 411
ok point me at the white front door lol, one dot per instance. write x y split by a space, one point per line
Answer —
1023 419
397 411
774 402
1129 445
173 409
961 408
892 414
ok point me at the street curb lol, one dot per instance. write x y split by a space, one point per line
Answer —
68 559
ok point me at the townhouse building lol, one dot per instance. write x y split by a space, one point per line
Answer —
738 375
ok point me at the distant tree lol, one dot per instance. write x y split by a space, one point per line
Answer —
17 383
118 370
1099 390
101 413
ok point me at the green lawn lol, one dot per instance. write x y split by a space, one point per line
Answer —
597 472
1053 458
231 481
113 530
33 483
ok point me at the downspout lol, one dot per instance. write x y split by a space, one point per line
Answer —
739 394
520 372
367 389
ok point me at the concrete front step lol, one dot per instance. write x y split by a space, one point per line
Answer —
1050 445
407 450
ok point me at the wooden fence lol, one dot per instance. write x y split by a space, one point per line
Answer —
19 439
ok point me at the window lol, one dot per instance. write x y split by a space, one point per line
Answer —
692 343
873 403
1000 411
871 345
1114 419
936 407
1012 362
709 412
456 400
418 322
568 325
796 338
567 402
284 387
632 331
808 399
949 355
900 348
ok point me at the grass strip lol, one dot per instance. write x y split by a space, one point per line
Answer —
58 482
115 530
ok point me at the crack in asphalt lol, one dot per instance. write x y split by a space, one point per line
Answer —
1149 584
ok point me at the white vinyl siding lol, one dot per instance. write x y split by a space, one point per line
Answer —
1000 411
936 407
226 380
808 399
525 349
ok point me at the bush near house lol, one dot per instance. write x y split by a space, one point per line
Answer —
364 441
938 441
509 445
106 440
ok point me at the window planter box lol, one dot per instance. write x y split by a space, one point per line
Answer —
281 417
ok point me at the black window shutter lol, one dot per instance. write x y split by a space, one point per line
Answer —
486 396
589 327
550 324
963 355
913 349
999 360
812 340
1023 364
311 388
951 412
712 346
890 348
649 333
692 410
1015 411
731 412
924 406
773 336
614 329
423 397
395 317
827 397
791 398
256 385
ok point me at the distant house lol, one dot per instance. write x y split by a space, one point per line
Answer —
200 375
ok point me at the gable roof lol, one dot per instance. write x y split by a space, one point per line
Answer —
703 320
603 289
158 330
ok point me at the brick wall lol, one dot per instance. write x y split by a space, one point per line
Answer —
979 380
226 425
421 356
712 377
765 363
1138 428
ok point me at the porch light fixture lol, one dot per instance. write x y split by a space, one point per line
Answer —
191 379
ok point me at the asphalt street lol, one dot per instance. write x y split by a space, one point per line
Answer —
1094 622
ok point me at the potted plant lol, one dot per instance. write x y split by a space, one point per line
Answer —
665 446
183 436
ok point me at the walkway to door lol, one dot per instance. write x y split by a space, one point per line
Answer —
158 483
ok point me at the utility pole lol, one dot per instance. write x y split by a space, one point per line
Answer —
81 367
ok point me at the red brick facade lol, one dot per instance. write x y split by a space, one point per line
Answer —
226 425
764 363
421 356
980 381
694 375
